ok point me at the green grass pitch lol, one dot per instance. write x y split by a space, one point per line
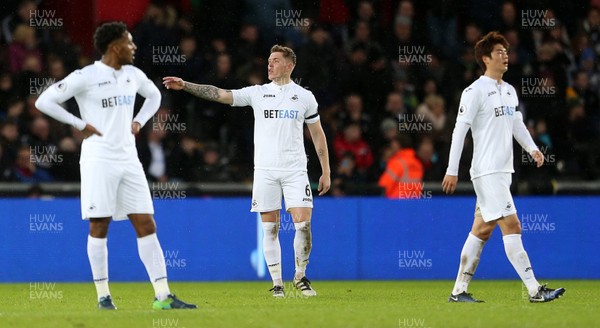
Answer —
398 304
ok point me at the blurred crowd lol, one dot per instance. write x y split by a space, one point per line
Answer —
387 74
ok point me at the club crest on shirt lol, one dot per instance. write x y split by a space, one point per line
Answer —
462 109
61 86
294 98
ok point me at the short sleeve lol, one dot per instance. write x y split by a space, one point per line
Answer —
311 115
469 105
243 97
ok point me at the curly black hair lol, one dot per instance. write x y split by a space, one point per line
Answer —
107 33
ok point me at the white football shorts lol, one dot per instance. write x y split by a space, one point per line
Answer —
494 200
114 190
269 186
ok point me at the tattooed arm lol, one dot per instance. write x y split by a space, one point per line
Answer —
203 91
318 137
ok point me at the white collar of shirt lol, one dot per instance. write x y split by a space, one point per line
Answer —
488 79
278 87
102 66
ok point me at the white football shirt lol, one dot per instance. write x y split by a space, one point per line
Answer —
489 108
106 100
279 112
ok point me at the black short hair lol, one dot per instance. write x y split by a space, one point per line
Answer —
107 33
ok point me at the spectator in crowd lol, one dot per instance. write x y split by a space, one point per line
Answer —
152 151
213 168
60 48
23 49
341 59
19 17
351 140
590 26
403 174
442 23
394 107
347 180
433 110
6 92
42 143
212 116
580 144
511 20
406 12
5 165
15 110
185 160
153 35
192 69
362 36
407 91
582 90
67 166
429 87
432 168
26 170
354 112
472 34
401 37
10 139
317 65
365 13
248 46
354 77
389 130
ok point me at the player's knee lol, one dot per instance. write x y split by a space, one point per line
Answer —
482 233
99 227
513 228
301 214
144 225
147 228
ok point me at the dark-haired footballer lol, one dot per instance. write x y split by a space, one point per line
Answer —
113 183
489 108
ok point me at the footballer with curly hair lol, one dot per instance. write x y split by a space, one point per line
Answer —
113 183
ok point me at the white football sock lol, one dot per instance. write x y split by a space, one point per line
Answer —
469 259
98 255
513 245
272 251
153 258
302 247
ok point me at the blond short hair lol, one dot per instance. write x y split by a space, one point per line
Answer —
287 52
